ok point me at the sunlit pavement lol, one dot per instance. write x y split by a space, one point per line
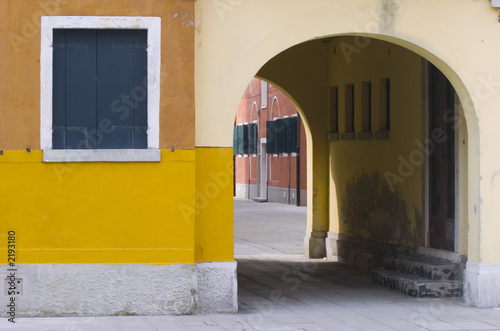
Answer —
279 289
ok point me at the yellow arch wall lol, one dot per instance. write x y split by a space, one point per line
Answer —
359 166
309 63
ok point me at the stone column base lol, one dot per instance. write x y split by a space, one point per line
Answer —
332 246
217 287
482 285
314 244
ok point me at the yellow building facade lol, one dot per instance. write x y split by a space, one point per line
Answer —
149 231
112 231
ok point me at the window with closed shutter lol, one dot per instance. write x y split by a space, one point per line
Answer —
99 89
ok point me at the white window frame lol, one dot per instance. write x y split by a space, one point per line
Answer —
153 25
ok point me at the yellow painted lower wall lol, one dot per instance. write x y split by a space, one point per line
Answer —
98 212
214 204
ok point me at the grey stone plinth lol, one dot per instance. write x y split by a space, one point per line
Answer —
315 244
217 287
124 289
482 285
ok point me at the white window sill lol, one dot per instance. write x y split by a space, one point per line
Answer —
102 155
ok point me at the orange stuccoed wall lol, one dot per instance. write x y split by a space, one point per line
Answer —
20 65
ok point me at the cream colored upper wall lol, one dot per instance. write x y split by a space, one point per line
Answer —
235 38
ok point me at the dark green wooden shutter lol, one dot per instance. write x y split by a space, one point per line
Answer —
100 89
74 88
280 136
239 145
271 137
290 134
235 140
252 138
121 71
140 130
245 139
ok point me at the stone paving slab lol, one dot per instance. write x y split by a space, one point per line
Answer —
280 290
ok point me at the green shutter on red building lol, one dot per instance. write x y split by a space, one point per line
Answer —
239 140
252 138
280 135
290 134
271 137
235 140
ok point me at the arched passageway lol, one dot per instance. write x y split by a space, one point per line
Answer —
384 125
386 152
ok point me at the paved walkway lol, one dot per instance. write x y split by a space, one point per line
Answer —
280 290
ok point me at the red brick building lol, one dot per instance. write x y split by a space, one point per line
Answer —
269 147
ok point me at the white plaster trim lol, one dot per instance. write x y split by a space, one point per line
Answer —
217 287
102 155
152 24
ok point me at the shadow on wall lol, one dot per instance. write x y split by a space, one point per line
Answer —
372 211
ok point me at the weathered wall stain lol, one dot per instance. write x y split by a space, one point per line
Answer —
371 210
387 15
